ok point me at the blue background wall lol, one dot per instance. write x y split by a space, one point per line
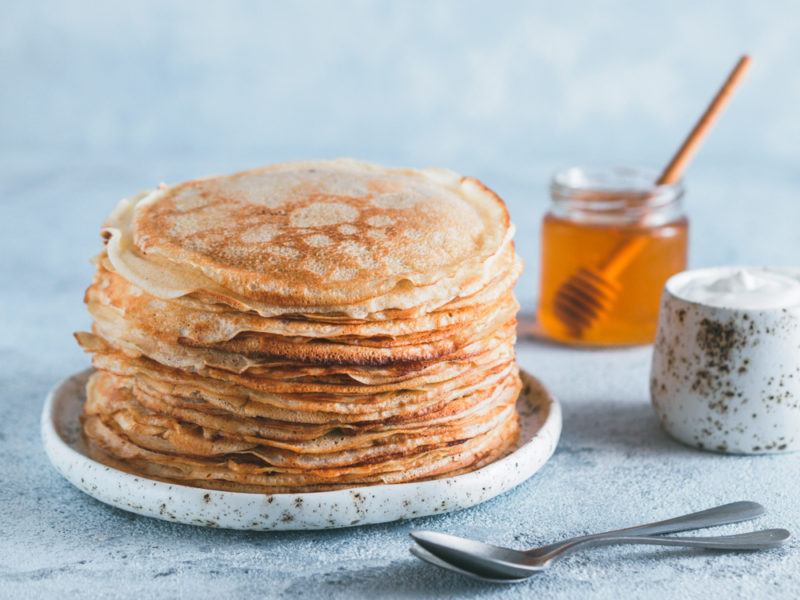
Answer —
102 99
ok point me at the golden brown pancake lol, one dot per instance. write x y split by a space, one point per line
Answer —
206 324
318 237
304 327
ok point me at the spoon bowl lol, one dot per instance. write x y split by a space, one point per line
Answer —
434 560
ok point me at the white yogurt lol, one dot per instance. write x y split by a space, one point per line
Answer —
748 288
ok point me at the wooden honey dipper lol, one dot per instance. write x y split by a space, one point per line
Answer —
590 293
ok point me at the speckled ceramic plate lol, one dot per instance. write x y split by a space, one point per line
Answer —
541 427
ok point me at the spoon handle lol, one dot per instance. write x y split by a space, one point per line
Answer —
719 515
754 540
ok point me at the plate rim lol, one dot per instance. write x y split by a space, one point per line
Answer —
64 458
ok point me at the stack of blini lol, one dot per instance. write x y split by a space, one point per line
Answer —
304 326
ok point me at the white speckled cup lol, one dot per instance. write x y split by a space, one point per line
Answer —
726 379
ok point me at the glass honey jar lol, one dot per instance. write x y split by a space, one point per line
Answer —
609 242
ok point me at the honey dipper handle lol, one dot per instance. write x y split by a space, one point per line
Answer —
623 254
675 168
627 251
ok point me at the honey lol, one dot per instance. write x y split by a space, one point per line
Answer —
608 244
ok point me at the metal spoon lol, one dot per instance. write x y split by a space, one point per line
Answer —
492 561
508 565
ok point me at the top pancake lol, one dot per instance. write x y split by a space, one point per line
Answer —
339 237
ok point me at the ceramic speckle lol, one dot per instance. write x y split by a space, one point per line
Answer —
541 427
727 380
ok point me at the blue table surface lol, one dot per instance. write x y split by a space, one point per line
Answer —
613 467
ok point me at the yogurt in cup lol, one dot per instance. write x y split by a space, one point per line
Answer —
726 364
